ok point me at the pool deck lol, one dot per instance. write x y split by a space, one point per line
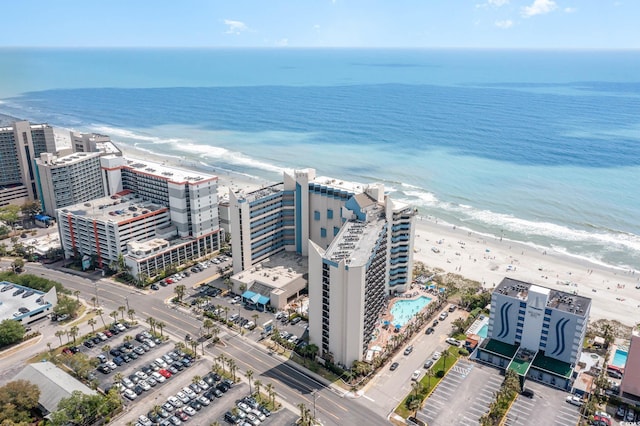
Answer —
385 335
612 353
477 325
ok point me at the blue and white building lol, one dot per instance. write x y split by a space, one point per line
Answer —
358 241
536 331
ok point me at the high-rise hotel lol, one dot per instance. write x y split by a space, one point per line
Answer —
359 243
536 331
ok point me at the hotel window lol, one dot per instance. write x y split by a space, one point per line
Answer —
335 230
316 215
323 232
329 214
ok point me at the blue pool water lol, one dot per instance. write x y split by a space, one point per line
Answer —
620 358
483 331
403 310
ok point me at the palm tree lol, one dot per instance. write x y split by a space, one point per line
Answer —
429 374
160 325
117 378
122 310
417 387
303 412
92 323
222 360
106 349
255 318
215 330
49 346
208 325
128 338
100 312
226 313
249 375
258 385
73 332
445 355
232 368
196 379
272 393
152 322
59 335
94 301
114 315
76 293
414 406
131 313
179 290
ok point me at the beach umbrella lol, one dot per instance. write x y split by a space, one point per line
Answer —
387 322
398 326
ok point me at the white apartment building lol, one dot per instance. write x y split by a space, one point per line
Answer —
536 331
67 180
325 218
146 202
20 144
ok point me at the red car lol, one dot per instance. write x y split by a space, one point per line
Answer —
108 333
169 281
165 373
67 351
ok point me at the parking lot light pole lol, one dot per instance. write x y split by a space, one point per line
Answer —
126 300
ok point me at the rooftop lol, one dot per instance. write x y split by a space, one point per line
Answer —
277 271
54 383
261 192
560 300
499 348
115 208
169 173
356 241
352 187
74 158
552 365
14 304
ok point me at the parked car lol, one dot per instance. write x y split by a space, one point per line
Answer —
429 330
408 350
428 364
574 400
129 394
416 375
296 320
527 393
452 341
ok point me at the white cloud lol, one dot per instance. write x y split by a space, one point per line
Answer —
506 24
316 27
570 9
539 7
497 3
235 27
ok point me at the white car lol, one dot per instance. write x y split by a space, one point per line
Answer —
183 397
144 385
436 356
292 339
129 394
175 401
120 327
416 375
574 400
204 400
189 392
253 419
112 365
203 385
144 420
259 414
244 407
158 377
190 411
102 336
127 383
452 341
142 375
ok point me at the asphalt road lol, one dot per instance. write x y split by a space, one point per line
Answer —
292 386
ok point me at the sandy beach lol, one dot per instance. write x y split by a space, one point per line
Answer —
488 260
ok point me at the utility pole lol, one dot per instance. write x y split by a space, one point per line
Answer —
127 302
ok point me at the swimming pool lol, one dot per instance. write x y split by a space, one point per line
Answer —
483 331
620 358
403 310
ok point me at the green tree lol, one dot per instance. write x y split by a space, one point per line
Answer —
179 290
66 305
161 326
76 293
106 349
82 409
17 265
114 315
10 332
152 323
30 208
131 314
208 325
92 322
10 214
59 335
18 399
249 375
73 332
122 310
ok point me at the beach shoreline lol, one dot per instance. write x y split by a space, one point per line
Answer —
483 258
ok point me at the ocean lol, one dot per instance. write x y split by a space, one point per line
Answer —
536 146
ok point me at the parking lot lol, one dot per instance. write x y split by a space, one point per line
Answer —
547 406
462 396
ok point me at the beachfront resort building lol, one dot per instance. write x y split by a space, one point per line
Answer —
20 144
67 180
24 304
156 216
359 245
630 385
536 331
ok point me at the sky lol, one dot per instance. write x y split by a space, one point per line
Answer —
608 24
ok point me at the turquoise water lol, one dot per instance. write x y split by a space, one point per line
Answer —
620 358
558 131
483 331
403 310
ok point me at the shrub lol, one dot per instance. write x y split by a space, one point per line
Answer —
463 352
